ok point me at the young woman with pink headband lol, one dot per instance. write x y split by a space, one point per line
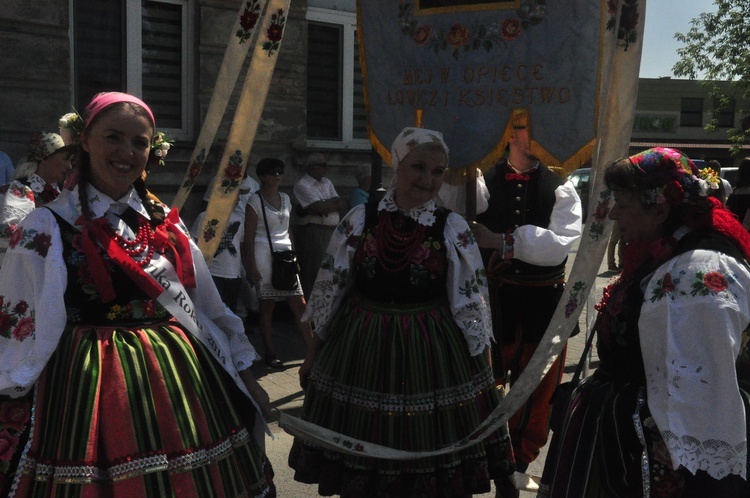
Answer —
113 336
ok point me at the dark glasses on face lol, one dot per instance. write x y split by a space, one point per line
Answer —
275 172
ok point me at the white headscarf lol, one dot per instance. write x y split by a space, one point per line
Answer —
409 138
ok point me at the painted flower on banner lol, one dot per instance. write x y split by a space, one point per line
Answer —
492 33
233 172
596 228
578 293
195 169
511 29
274 33
248 20
209 232
629 18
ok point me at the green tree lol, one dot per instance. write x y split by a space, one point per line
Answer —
717 48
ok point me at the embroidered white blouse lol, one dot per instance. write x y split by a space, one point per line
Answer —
33 281
695 309
19 200
464 265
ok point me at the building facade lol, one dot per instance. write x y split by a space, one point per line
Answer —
674 113
55 54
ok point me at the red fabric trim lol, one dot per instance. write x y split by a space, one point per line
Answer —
94 231
180 245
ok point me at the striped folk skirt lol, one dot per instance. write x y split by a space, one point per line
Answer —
142 412
401 377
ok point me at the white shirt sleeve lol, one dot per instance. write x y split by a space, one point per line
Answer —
550 246
33 317
335 277
467 285
454 196
695 309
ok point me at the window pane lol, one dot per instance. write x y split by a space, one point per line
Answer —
98 48
324 82
359 121
691 112
725 116
162 61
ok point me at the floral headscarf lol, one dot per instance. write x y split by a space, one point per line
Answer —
670 176
43 145
410 138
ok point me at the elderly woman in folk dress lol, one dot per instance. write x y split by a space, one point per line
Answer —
664 415
36 181
113 335
402 342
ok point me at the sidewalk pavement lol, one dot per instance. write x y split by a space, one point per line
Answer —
286 395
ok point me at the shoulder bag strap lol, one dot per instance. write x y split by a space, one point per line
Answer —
265 220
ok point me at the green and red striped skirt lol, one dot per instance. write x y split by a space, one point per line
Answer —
138 412
401 377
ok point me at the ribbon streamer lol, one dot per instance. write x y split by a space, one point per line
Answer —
239 43
244 127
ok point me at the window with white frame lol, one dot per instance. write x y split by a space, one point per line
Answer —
140 47
336 114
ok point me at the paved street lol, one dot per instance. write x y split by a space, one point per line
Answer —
283 388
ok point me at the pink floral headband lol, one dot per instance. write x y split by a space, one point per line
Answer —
105 99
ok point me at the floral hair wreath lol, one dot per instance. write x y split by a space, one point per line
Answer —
668 175
72 125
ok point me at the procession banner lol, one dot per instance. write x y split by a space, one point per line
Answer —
244 127
473 67
617 87
239 43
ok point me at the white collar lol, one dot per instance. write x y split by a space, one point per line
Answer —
100 204
424 214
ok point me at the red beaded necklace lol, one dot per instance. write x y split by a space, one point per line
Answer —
395 245
143 242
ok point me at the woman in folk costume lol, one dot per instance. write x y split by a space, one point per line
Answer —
402 343
122 373
665 413
36 181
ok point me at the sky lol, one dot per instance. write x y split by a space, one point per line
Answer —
664 18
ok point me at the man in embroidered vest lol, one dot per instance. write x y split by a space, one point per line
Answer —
318 215
531 223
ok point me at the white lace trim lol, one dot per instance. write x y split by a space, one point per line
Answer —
424 214
81 474
718 458
399 403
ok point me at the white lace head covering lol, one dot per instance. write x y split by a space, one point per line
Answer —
410 138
